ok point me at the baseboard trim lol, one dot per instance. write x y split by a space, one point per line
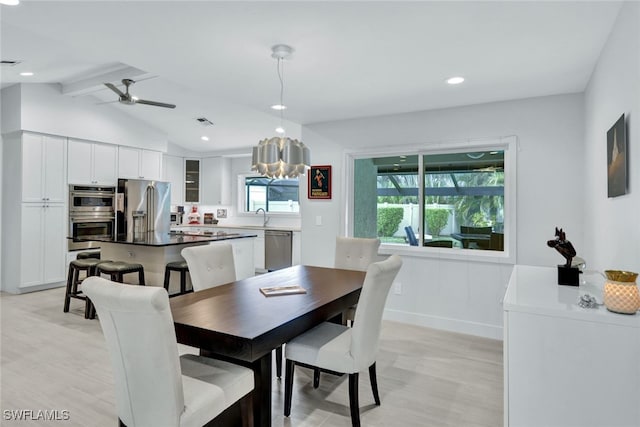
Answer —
447 324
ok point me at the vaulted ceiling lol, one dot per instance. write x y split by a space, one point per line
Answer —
352 59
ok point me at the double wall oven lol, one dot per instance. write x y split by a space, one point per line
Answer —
91 215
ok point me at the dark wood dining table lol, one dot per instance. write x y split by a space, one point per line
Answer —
236 322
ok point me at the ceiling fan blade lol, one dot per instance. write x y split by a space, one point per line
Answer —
154 103
115 89
106 102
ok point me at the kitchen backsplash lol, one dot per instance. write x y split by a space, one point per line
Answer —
245 219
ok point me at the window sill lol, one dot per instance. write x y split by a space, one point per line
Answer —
455 254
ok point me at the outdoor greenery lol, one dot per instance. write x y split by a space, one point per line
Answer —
388 221
436 220
477 211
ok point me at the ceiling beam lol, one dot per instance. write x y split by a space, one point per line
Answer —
96 82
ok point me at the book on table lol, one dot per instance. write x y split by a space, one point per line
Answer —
282 290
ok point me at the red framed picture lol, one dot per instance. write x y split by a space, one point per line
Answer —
319 182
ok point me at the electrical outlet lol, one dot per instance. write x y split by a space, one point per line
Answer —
397 288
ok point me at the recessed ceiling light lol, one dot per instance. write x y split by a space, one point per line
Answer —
204 138
493 152
278 107
396 165
455 80
10 2
403 157
280 129
26 73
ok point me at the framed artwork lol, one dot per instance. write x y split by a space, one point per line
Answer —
617 159
319 182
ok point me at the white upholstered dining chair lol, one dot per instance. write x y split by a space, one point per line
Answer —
338 348
210 265
355 253
213 265
154 386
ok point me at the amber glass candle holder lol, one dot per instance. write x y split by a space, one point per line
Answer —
621 292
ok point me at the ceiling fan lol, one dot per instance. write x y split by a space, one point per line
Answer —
128 99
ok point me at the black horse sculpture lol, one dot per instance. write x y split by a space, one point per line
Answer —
562 245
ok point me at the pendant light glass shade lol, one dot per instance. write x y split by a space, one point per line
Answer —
280 156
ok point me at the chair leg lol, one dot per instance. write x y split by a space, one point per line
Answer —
374 383
67 293
76 279
279 362
183 282
316 377
354 406
167 275
141 277
246 410
288 386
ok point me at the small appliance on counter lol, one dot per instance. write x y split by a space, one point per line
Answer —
176 218
209 218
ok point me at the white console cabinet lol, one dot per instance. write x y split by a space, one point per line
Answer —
565 365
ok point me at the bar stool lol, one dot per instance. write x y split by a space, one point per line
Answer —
88 265
183 269
86 255
116 269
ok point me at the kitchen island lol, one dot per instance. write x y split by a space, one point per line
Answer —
155 250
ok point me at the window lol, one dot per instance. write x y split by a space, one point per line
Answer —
453 199
270 194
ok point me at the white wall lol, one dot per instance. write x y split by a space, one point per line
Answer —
42 108
464 295
612 230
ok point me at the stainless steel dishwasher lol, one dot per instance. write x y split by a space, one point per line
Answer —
277 249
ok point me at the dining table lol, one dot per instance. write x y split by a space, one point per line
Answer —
238 323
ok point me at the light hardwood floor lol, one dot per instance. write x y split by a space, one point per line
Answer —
58 361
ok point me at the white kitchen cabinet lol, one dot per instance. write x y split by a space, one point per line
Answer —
173 172
136 163
92 163
43 168
565 365
43 244
215 181
34 212
192 180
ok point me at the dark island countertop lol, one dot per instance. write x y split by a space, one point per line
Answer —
169 239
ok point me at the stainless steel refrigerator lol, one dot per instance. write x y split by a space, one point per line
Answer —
142 206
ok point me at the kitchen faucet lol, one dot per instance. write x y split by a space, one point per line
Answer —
265 220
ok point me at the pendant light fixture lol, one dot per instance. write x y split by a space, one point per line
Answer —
280 156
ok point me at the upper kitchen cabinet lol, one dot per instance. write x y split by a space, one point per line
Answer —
92 163
192 181
43 168
137 163
173 172
216 188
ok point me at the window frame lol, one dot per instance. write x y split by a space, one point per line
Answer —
242 199
508 144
